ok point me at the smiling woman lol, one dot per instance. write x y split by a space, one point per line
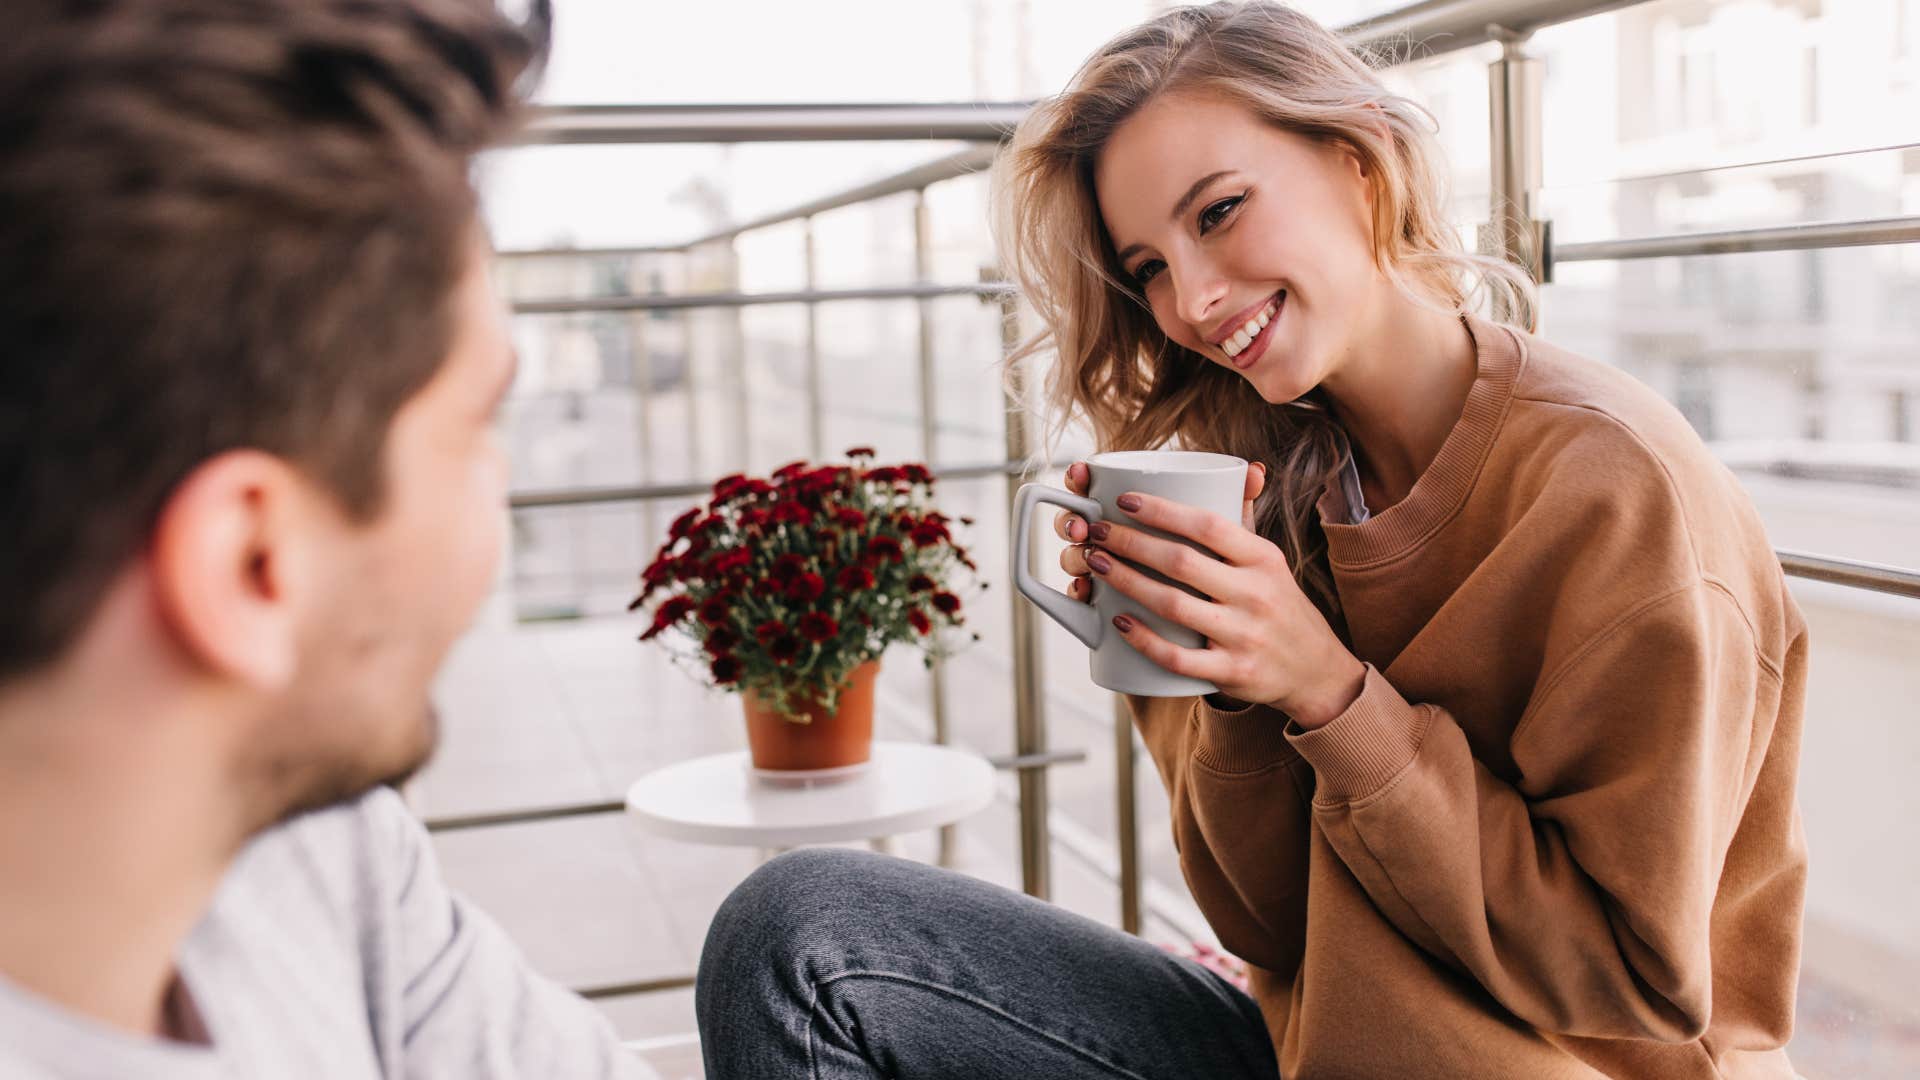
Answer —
1243 134
1500 778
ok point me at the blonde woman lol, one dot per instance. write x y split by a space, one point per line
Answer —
1500 782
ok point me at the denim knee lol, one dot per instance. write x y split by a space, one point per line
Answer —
772 924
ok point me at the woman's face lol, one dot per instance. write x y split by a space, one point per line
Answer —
1253 245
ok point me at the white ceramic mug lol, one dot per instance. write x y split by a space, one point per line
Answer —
1215 482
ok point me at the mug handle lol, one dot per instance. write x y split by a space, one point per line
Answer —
1081 620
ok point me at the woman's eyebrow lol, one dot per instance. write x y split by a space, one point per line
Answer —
1180 207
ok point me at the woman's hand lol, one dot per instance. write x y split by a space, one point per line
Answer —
1266 642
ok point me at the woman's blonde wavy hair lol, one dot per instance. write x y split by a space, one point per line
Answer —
1113 366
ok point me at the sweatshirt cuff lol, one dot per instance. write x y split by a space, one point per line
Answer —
1357 752
1240 740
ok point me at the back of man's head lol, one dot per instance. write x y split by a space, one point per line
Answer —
224 224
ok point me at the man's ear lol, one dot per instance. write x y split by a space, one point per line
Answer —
228 566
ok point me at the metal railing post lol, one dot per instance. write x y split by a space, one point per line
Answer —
816 416
687 339
1127 823
642 365
1513 115
737 357
1029 703
929 451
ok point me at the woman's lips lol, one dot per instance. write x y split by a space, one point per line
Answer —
1258 346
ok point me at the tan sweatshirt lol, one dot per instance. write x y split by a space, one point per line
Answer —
1556 835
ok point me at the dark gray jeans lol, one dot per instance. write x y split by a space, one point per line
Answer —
836 964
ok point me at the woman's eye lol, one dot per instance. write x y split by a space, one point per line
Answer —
1146 271
1217 212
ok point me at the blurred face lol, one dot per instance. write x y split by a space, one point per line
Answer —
405 585
1251 244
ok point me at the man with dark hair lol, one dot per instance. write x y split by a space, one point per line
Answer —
249 360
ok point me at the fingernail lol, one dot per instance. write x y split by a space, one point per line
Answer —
1099 530
1123 624
1099 563
1129 503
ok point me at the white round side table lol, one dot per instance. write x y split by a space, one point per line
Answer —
720 800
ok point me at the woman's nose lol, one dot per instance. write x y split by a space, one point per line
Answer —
1198 290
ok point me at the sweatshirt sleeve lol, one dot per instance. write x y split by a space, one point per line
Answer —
1580 896
1240 798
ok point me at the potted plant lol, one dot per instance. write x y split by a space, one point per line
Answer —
789 588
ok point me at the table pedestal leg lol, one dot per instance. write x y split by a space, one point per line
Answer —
882 844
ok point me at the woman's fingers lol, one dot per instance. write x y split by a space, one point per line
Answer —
1067 525
1070 527
1256 483
1074 561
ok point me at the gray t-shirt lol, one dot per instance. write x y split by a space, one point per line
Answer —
333 950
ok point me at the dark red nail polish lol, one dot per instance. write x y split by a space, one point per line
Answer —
1099 530
1129 503
1099 562
1123 624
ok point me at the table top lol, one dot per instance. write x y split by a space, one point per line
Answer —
720 800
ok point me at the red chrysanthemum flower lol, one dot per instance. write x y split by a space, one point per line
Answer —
861 452
792 513
885 548
946 602
721 640
806 588
675 609
920 583
854 579
682 523
921 624
784 649
787 567
928 533
726 670
818 626
769 630
851 518
716 610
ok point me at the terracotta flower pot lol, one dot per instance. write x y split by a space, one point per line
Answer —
829 741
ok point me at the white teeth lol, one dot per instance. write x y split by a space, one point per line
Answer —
1249 330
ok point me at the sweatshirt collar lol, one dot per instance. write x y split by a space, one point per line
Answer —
1440 492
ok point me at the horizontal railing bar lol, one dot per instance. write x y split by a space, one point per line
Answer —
1038 761
521 817
971 160
1825 234
644 986
591 496
1859 575
1731 166
984 121
698 301
595 252
1434 27
1876 577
